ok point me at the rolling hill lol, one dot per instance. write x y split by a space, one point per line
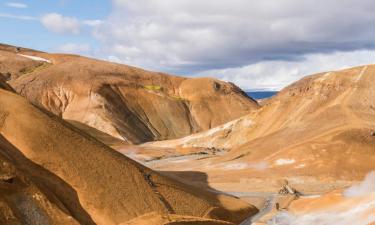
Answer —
320 129
128 103
53 173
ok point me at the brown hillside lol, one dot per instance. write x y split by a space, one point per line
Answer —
321 128
51 172
128 103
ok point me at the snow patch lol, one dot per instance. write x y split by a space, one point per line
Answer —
259 166
236 166
240 166
367 186
358 215
361 74
181 160
325 76
35 58
284 161
212 132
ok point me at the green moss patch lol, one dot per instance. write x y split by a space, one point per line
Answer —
27 70
178 98
153 87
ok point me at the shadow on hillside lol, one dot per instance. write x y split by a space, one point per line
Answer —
52 186
199 180
195 178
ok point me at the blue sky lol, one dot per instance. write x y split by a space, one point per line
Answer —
258 45
31 33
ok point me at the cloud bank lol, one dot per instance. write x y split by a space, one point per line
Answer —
256 44
16 5
60 24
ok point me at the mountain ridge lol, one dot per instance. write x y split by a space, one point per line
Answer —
81 180
128 103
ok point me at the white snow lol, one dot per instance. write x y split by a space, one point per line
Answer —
212 132
36 58
324 77
284 161
358 215
240 166
361 74
236 166
365 187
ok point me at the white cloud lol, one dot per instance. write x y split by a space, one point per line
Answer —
255 44
60 24
74 48
276 74
18 17
16 5
92 23
193 35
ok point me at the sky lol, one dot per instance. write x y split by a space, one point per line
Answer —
258 45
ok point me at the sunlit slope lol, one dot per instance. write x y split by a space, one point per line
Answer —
321 126
128 103
85 181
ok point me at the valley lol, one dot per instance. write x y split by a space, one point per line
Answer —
91 142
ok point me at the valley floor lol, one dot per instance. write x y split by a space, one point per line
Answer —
269 193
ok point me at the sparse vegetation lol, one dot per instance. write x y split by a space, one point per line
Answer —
153 87
41 66
176 97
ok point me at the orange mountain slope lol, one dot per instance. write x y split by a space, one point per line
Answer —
50 171
125 102
321 128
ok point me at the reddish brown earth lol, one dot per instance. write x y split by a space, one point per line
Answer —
128 103
53 173
318 133
316 136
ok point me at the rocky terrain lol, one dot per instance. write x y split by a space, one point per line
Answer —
322 126
52 173
317 135
354 205
128 103
184 150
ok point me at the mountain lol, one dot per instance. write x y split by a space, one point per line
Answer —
318 133
53 173
289 160
128 103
